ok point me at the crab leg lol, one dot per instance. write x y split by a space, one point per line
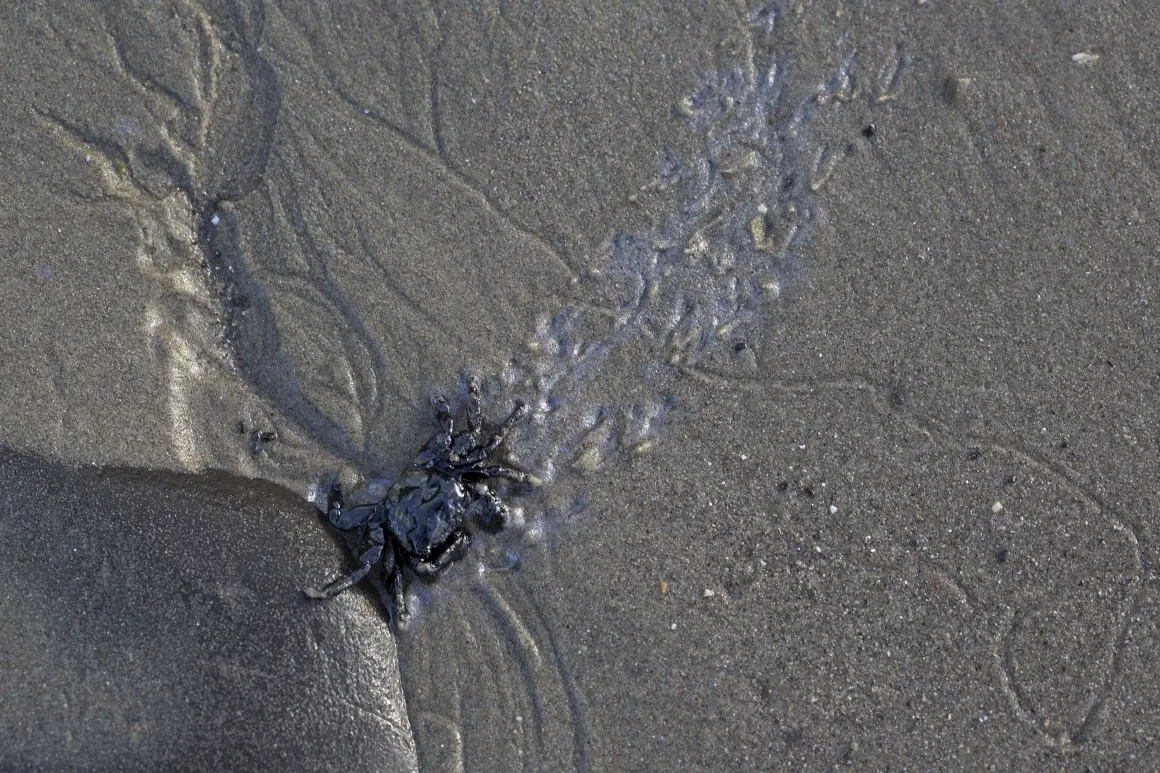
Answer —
474 408
508 473
443 416
391 594
367 559
486 450
451 551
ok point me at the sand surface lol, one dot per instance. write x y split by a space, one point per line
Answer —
838 320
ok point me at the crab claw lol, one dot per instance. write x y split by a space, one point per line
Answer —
325 494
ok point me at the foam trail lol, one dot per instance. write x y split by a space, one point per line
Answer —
690 290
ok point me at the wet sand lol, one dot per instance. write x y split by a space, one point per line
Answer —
916 533
154 621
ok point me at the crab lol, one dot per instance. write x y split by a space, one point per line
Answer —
420 522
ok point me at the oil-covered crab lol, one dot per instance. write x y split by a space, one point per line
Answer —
420 523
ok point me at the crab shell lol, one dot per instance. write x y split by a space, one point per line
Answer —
423 508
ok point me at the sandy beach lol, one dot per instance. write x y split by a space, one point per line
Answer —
837 320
